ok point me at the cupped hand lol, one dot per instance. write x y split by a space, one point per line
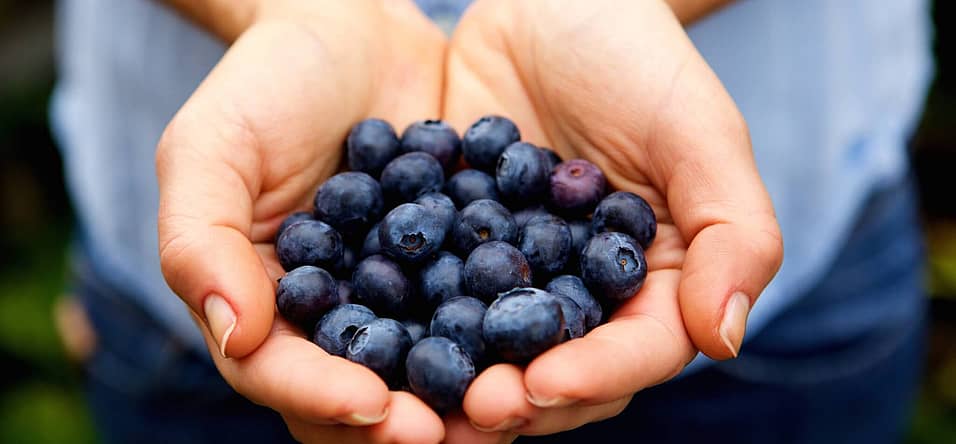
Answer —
620 84
249 147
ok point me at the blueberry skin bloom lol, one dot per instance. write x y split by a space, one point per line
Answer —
439 372
410 233
380 285
305 294
483 221
381 345
467 186
345 291
434 137
441 278
411 175
572 287
442 206
371 144
576 187
573 318
298 216
495 267
460 319
371 245
546 242
522 174
415 329
335 330
523 323
309 242
350 202
486 139
627 213
523 215
613 266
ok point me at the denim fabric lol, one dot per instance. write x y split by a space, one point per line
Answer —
794 385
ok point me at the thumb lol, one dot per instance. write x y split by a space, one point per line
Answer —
205 223
718 202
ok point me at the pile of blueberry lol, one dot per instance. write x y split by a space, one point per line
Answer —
427 279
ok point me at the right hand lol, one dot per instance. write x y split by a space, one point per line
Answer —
248 148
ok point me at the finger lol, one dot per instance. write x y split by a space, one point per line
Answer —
498 407
409 421
642 345
295 377
458 429
718 201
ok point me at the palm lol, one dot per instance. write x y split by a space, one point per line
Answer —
635 107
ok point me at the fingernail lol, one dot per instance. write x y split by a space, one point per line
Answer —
503 426
548 403
363 420
220 319
734 323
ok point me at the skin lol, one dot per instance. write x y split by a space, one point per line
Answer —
632 95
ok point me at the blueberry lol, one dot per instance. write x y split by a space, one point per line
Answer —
523 215
483 221
439 372
573 288
380 285
335 330
576 187
344 267
371 145
459 319
345 291
381 345
410 233
523 323
350 202
411 175
580 235
441 278
305 294
371 245
546 242
416 330
627 213
441 205
470 185
573 318
495 267
522 174
486 139
553 158
291 219
613 266
309 242
436 138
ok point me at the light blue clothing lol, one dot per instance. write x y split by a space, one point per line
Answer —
831 91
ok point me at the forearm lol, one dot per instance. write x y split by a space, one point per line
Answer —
689 11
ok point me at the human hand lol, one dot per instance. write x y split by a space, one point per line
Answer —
620 84
248 148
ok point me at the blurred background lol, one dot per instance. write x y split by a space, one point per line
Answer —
41 396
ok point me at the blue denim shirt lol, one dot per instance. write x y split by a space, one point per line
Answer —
831 91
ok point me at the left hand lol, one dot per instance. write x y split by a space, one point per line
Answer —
620 84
